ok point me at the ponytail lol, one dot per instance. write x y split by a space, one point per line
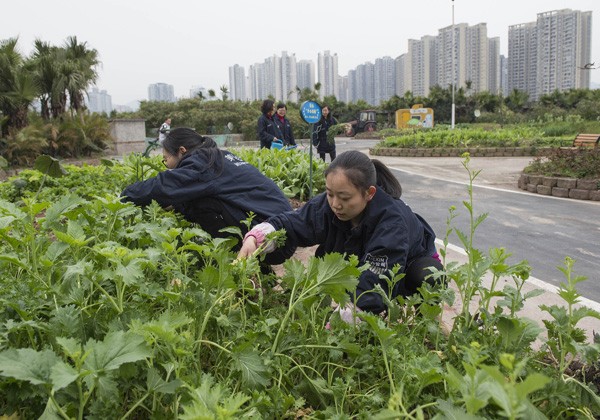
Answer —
364 172
386 180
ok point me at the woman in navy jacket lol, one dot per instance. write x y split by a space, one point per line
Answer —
266 129
283 125
360 214
208 186
320 140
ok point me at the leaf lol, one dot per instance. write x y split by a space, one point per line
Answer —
62 375
250 364
335 276
49 166
28 365
451 412
531 384
117 348
13 259
516 332
60 207
157 384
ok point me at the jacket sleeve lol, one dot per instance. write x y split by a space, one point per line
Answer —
168 188
304 227
387 246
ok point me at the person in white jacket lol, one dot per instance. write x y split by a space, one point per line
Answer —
164 130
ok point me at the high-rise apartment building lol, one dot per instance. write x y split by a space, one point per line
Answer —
288 78
504 75
276 77
237 83
494 75
384 79
365 82
161 92
422 65
305 74
550 54
403 76
564 47
328 74
99 101
476 50
522 57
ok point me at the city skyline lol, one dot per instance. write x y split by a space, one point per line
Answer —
548 54
185 45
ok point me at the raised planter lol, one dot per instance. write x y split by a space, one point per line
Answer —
579 189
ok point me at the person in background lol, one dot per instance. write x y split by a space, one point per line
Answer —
267 130
360 214
208 186
320 134
283 125
164 130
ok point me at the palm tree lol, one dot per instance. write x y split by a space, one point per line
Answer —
211 93
17 86
224 92
80 71
45 62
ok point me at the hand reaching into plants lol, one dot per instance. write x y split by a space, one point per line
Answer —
347 314
249 247
256 240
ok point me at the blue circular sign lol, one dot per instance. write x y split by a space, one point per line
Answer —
310 111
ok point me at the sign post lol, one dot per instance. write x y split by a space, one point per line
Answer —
310 112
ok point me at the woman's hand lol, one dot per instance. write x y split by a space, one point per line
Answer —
249 247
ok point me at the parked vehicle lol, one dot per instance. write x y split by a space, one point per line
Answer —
366 122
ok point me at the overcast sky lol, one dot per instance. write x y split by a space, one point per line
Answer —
192 42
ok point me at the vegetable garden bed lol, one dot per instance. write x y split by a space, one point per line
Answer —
116 311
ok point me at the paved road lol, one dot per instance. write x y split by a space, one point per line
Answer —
540 229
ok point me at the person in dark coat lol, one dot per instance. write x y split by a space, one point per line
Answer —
360 214
266 129
319 136
283 125
208 186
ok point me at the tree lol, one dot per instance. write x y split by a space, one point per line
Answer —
224 92
17 86
516 100
211 93
79 70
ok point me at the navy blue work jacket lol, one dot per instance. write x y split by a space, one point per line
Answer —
266 131
285 130
320 135
240 187
388 234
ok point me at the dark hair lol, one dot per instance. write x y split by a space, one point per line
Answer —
267 106
281 105
193 143
329 116
364 172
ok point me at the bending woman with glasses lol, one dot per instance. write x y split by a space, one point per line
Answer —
209 186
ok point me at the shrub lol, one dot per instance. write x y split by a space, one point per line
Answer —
574 163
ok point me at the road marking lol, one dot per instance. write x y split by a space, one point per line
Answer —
529 194
592 304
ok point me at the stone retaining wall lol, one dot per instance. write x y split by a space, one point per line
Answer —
579 189
455 151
